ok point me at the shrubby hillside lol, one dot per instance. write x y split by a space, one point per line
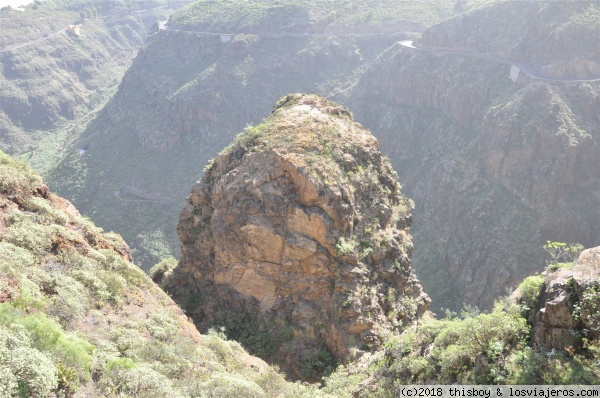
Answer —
78 318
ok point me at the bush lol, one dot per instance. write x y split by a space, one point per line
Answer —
70 300
228 386
316 364
29 235
255 337
47 336
15 176
561 254
161 272
162 327
589 308
13 259
24 371
43 207
530 289
123 377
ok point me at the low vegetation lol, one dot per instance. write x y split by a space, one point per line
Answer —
331 15
77 318
489 348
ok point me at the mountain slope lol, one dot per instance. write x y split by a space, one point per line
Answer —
60 61
495 166
77 317
185 97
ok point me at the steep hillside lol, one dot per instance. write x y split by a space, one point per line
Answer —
185 96
496 165
77 318
60 61
546 332
297 241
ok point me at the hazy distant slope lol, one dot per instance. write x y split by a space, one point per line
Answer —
495 167
52 76
312 16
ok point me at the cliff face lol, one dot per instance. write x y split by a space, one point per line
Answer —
518 160
566 309
300 226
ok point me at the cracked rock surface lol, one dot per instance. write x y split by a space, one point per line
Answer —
300 227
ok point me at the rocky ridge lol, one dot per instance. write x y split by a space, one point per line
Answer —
300 226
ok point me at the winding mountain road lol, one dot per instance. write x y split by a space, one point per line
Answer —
63 30
526 69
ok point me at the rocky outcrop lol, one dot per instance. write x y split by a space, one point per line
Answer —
567 307
300 226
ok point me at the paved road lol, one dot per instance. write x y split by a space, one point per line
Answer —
526 69
118 195
163 26
17 46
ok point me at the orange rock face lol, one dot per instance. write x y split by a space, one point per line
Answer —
300 227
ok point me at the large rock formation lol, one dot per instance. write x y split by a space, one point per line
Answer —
301 227
567 308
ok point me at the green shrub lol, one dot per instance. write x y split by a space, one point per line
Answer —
48 337
530 289
255 337
561 254
162 327
316 364
123 377
126 340
15 176
165 360
589 308
228 386
536 366
13 259
69 301
29 235
30 297
94 285
111 261
24 370
42 207
161 272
